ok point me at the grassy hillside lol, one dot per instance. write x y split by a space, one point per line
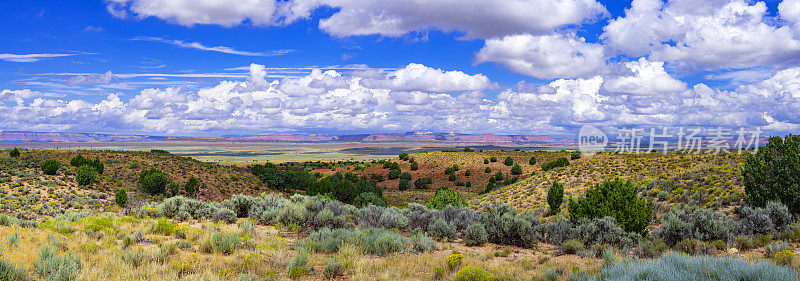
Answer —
706 180
31 192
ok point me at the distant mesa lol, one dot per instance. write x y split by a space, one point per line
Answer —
417 136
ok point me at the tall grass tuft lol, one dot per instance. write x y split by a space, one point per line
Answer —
11 272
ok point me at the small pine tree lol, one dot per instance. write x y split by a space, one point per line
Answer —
493 159
532 161
487 170
485 161
50 166
191 186
516 170
86 175
403 185
121 197
555 196
508 161
414 166
14 153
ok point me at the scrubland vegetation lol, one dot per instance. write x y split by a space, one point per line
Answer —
156 216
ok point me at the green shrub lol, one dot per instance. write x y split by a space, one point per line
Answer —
468 172
54 267
402 185
328 240
297 268
403 156
785 258
617 199
498 176
423 183
14 153
393 174
742 243
86 175
163 228
50 166
381 241
333 269
532 161
702 224
439 273
571 247
454 261
681 267
555 196
560 162
487 170
192 186
774 248
405 176
493 159
508 161
695 247
471 273
127 241
773 173
516 170
367 198
575 155
446 196
414 166
475 235
4 220
121 197
79 161
442 230
421 243
225 242
153 181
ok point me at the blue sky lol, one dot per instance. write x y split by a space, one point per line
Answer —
210 68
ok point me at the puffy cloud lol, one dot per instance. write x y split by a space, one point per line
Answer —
331 100
476 18
545 56
702 34
191 12
417 77
649 78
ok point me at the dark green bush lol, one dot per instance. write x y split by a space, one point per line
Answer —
773 174
414 166
493 159
393 174
153 181
532 161
555 196
86 175
405 176
14 153
508 161
487 170
367 198
192 186
403 184
50 166
575 155
560 162
121 197
423 183
617 199
516 170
